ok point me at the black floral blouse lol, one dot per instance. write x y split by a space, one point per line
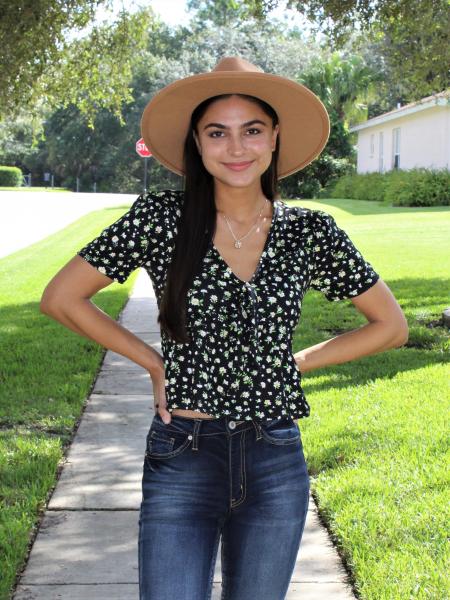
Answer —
240 361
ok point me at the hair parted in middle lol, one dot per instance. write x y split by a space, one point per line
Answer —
196 225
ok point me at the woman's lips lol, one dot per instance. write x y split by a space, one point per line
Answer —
238 166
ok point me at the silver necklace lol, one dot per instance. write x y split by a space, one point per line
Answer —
238 242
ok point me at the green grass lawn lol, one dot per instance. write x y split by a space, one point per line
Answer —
46 373
375 441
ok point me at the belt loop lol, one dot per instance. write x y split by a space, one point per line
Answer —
257 429
197 425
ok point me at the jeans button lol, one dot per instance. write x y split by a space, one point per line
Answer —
231 424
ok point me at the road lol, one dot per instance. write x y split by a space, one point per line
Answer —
27 217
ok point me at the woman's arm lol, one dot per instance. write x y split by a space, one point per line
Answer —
145 229
387 328
66 299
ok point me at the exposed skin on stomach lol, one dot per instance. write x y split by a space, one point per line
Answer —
191 413
194 414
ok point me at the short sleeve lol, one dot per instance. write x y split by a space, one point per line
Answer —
340 271
128 243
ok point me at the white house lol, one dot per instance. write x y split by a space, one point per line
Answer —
414 135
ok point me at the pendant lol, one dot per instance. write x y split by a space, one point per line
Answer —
237 244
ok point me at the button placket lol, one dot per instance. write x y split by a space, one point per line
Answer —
248 325
255 337
254 304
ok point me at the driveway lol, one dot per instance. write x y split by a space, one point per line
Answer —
27 217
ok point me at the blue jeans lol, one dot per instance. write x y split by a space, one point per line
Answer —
246 481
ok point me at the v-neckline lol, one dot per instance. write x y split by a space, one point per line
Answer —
262 255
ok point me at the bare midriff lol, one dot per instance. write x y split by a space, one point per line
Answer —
195 414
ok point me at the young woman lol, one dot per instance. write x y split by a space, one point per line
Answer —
230 263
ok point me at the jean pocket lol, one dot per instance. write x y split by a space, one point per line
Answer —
281 431
166 444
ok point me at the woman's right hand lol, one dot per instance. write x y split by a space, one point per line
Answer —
158 376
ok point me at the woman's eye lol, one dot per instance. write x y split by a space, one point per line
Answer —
254 130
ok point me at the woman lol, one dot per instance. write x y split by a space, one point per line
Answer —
230 264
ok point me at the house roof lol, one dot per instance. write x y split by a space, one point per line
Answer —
440 99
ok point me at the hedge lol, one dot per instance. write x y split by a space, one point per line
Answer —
10 177
416 187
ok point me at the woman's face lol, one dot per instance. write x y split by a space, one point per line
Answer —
234 131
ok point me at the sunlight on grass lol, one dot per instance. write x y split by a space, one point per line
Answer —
46 373
375 442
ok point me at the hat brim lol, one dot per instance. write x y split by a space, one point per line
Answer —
303 119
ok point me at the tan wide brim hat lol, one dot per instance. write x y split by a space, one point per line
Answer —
303 119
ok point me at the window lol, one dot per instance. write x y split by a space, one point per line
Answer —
372 144
380 153
396 148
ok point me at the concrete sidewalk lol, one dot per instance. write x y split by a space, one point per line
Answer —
86 547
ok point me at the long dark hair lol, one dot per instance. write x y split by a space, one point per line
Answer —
196 225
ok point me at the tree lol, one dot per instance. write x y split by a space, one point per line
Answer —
412 34
342 80
224 12
40 66
416 50
346 86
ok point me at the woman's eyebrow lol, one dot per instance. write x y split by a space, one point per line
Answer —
246 124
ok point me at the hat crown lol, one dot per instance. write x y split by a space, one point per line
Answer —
236 63
303 119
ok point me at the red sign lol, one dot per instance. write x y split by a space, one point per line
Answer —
142 149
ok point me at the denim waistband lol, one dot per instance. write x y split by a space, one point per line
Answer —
221 425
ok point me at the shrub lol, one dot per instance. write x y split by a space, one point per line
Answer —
10 177
343 188
368 186
416 187
419 187
310 181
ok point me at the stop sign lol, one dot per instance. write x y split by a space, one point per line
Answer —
142 149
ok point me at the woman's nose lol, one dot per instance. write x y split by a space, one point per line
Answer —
236 145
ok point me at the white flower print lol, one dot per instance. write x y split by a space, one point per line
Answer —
239 362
